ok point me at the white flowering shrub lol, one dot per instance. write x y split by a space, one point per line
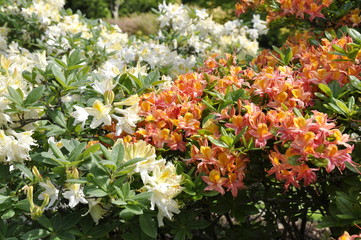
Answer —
194 32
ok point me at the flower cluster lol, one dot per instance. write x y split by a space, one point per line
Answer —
173 114
198 32
286 8
15 147
222 167
301 8
106 114
159 177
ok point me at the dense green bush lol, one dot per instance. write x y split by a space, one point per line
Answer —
104 8
91 8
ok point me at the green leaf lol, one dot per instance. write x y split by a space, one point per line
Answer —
340 54
35 234
134 209
142 197
335 88
23 205
279 51
336 108
342 106
297 112
345 216
324 88
65 236
68 221
315 42
45 222
217 142
338 48
79 180
118 153
54 130
289 56
148 225
355 82
76 153
106 153
119 202
56 150
106 140
34 95
109 164
95 192
209 105
319 162
58 117
25 170
345 206
61 63
355 169
356 36
321 96
59 76
227 140
101 181
327 221
198 224
180 235
131 162
329 36
8 214
136 80
74 58
15 96
293 160
151 78
91 149
100 231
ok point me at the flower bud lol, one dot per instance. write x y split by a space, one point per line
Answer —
72 173
108 97
37 173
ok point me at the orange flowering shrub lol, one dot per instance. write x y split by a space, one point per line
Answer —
261 108
286 8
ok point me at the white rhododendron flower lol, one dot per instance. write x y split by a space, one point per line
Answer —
129 119
100 113
15 147
158 176
4 104
80 115
164 183
46 11
132 100
103 86
201 13
259 24
96 210
140 149
75 195
51 191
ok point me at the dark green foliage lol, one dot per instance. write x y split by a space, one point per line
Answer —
226 5
91 8
104 8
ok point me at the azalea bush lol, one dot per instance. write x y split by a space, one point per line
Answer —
108 136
